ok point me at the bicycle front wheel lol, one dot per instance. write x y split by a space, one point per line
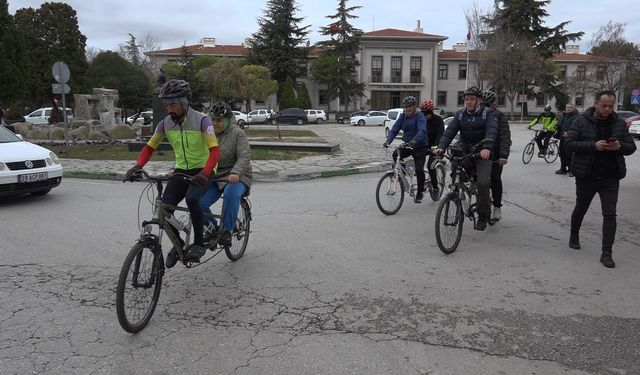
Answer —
449 222
240 234
527 153
139 286
552 153
389 193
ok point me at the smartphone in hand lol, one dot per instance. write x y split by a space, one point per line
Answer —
612 139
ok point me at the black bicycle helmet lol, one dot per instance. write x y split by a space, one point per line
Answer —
221 110
175 88
473 90
409 100
547 107
489 96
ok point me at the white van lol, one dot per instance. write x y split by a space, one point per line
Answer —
41 116
392 116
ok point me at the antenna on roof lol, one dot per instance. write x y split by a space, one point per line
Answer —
373 22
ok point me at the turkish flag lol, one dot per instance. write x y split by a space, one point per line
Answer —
334 26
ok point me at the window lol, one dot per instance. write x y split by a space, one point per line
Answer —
600 72
396 68
442 98
443 71
460 97
563 72
416 69
502 98
581 72
322 97
462 71
540 99
579 99
376 68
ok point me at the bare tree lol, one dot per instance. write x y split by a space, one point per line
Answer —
91 52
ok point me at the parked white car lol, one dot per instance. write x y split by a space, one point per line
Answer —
241 118
259 115
316 115
41 116
371 118
25 167
390 120
145 117
634 128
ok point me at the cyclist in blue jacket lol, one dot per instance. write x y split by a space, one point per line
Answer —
414 133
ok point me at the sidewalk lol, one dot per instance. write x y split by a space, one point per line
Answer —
356 155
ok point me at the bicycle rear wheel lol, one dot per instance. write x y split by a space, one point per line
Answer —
240 234
552 153
389 193
449 220
527 153
441 173
139 286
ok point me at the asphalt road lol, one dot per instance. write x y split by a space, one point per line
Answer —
329 285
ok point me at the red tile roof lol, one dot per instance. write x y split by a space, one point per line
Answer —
558 57
199 49
400 33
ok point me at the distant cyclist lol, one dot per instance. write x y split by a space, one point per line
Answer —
435 129
476 123
414 134
549 124
500 154
194 143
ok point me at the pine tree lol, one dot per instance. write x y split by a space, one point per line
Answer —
277 44
288 99
344 45
132 51
303 101
13 63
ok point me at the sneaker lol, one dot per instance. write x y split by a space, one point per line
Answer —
497 214
569 174
574 242
418 197
195 252
435 193
561 171
172 258
481 224
540 154
607 260
225 239
209 230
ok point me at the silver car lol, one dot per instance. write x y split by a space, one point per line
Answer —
259 115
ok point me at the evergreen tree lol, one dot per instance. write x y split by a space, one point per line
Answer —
52 34
13 63
277 44
288 99
344 45
131 51
258 84
303 101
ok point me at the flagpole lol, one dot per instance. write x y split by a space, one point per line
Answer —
466 76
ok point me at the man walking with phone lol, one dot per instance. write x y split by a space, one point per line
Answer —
599 140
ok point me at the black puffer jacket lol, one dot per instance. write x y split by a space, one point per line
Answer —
581 139
503 144
566 119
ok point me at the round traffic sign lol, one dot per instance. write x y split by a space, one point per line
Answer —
61 72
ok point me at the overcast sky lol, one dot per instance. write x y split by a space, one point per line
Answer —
106 23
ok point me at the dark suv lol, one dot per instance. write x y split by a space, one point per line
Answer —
291 116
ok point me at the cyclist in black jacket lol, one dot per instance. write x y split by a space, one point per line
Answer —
435 128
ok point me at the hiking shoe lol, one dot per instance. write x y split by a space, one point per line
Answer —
569 174
497 214
481 224
540 154
607 260
172 258
225 239
574 242
435 193
561 171
195 252
418 197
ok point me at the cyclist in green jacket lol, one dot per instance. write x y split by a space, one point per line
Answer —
549 125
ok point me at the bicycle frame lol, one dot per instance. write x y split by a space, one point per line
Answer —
463 185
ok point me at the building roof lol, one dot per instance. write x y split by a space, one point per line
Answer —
558 57
199 49
396 33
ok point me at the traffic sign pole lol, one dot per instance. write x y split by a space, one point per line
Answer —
61 74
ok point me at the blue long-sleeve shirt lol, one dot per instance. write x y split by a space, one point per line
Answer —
413 128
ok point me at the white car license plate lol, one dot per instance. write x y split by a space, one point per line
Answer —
25 178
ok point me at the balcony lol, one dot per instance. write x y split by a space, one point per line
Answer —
377 80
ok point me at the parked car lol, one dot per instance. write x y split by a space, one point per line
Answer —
259 115
626 114
241 118
41 116
25 167
371 118
144 118
316 115
634 128
345 119
631 119
290 115
390 120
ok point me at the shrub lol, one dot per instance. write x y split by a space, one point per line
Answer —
56 134
122 132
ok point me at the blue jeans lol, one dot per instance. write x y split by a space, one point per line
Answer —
230 203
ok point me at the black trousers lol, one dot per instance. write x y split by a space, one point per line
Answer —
177 190
546 136
565 156
419 157
483 179
496 185
586 189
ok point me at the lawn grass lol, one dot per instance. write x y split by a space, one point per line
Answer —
121 152
273 133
